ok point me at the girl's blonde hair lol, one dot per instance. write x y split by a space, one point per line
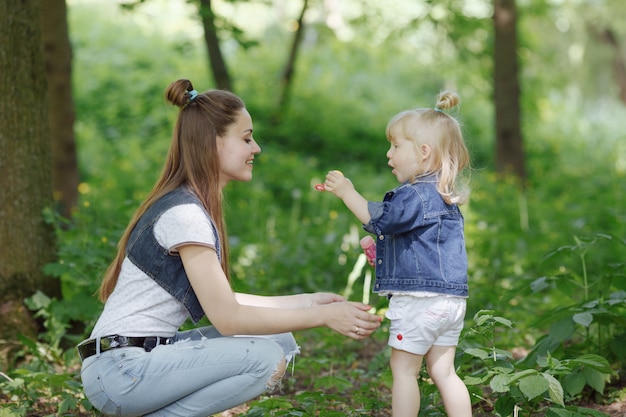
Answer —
192 160
442 132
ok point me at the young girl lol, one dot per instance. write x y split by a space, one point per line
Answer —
172 263
421 262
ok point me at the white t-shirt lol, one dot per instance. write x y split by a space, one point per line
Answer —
138 306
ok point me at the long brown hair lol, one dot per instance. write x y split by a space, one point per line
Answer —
192 160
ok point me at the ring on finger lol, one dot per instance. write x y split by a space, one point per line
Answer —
357 330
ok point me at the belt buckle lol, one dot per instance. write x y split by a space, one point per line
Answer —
80 347
150 343
119 341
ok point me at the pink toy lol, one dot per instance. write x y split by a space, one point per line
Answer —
369 247
320 187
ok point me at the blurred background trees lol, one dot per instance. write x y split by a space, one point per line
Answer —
541 84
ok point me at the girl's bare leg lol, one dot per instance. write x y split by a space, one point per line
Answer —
405 394
440 366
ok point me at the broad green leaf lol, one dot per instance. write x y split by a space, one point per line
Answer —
591 304
573 384
618 347
500 353
523 374
500 383
477 352
482 319
594 361
562 329
584 319
505 405
38 301
473 380
503 321
555 390
66 405
273 404
533 386
618 295
559 412
595 379
539 284
333 382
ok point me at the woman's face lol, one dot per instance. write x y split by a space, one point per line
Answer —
236 150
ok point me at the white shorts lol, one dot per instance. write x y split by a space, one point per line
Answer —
418 323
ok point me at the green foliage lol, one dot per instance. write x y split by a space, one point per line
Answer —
45 381
546 262
590 316
516 385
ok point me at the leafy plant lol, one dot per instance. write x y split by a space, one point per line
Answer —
525 390
594 320
43 381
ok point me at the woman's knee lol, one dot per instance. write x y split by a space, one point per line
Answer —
277 375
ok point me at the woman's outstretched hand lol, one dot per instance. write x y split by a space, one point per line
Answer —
321 298
351 319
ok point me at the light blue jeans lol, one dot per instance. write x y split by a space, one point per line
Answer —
198 373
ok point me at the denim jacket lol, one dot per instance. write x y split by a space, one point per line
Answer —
420 244
145 252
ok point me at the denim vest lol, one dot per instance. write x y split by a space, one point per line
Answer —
421 244
145 252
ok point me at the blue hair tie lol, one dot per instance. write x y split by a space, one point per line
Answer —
438 109
192 95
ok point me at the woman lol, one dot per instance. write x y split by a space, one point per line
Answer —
172 263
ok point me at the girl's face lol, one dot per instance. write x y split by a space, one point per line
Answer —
236 150
406 158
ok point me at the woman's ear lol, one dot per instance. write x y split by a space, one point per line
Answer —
426 149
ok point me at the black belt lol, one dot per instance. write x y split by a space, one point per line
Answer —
88 347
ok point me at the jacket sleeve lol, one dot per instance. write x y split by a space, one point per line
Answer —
400 212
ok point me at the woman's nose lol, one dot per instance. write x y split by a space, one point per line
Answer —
256 148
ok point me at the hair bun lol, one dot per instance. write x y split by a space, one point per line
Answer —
447 100
177 93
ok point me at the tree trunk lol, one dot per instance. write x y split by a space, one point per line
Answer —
509 144
27 242
287 76
216 60
58 63
608 37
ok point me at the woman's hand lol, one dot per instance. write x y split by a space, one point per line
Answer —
352 319
321 298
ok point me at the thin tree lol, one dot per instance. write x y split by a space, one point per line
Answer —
510 156
217 64
608 37
289 70
216 59
26 240
58 63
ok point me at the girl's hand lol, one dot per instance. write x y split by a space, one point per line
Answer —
352 319
337 184
320 298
